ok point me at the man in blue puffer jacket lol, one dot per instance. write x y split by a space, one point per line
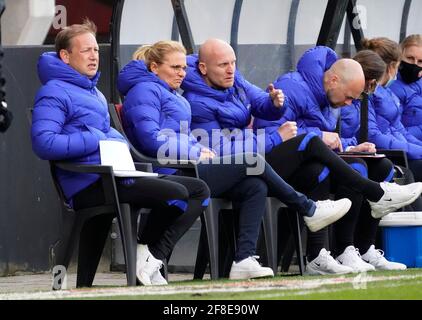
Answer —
154 110
70 118
315 106
309 99
222 100
241 101
63 97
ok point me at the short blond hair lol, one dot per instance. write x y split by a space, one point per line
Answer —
64 37
157 52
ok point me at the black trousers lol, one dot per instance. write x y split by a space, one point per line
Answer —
358 227
289 157
166 222
302 162
416 167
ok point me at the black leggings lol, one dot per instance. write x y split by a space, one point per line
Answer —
309 166
358 228
176 203
416 167
289 157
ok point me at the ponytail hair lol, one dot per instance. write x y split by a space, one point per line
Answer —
387 49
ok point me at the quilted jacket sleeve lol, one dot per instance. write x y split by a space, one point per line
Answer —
49 139
142 114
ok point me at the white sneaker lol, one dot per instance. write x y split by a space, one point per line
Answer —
351 258
325 264
147 266
326 213
249 268
157 279
395 197
377 259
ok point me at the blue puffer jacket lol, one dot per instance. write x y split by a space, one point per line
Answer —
156 118
70 117
307 103
350 121
230 109
385 129
410 96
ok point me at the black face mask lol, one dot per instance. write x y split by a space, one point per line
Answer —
409 72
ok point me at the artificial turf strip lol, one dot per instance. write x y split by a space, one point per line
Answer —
370 286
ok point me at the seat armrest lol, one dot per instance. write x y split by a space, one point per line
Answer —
147 167
106 173
173 164
397 156
84 168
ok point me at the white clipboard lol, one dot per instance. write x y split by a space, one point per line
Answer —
117 154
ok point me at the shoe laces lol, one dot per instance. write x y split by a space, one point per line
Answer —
390 186
378 253
325 203
154 266
326 256
159 265
255 259
355 253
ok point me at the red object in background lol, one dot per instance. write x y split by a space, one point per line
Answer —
99 11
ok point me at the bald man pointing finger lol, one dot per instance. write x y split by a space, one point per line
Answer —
217 64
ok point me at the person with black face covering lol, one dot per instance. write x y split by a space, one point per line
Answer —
390 125
408 87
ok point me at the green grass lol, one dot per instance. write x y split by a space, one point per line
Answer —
306 288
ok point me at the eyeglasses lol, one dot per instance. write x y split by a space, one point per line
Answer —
177 68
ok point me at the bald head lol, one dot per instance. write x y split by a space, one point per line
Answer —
344 82
213 48
348 70
217 63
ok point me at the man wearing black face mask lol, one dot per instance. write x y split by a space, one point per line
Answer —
408 87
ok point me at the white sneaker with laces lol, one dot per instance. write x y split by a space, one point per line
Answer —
377 259
325 264
327 212
351 258
147 266
249 268
157 279
395 197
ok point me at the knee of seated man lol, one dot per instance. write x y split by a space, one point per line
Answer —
383 170
202 190
313 174
253 187
360 166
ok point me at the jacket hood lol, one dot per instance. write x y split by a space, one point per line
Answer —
51 67
194 82
312 66
136 72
